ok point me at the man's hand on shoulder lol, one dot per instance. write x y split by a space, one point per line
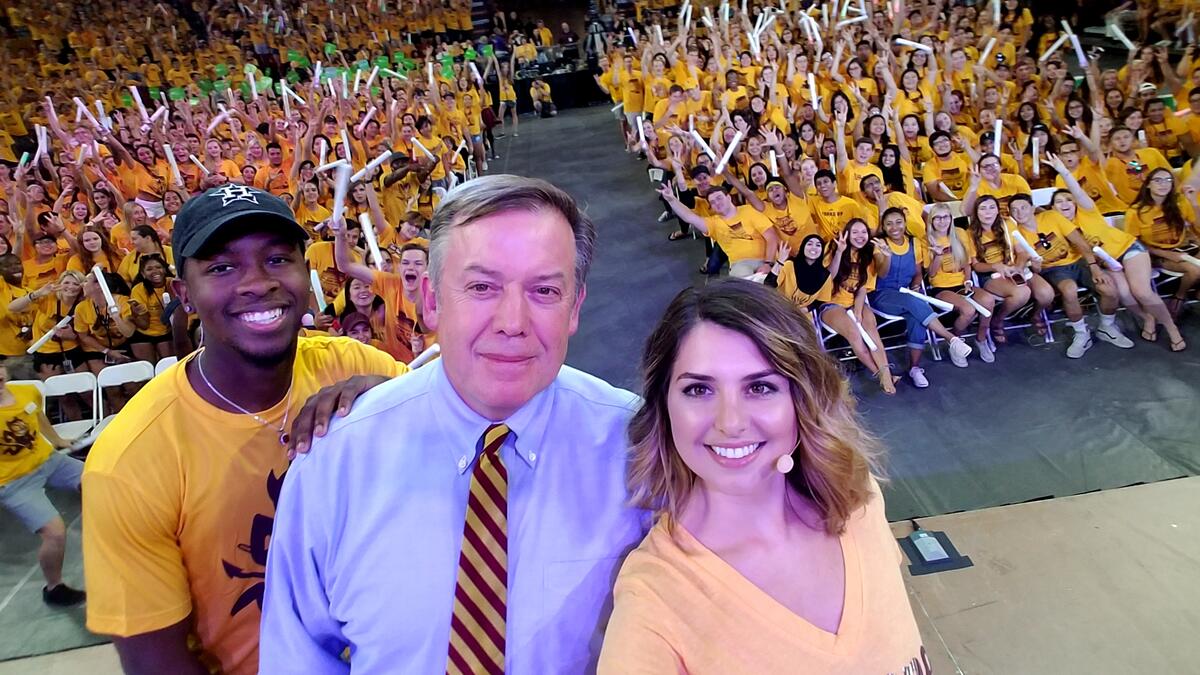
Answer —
319 410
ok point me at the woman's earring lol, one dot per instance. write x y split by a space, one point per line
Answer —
187 308
785 463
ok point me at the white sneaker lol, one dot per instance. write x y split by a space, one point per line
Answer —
918 377
986 353
1080 344
958 352
484 167
1113 336
664 216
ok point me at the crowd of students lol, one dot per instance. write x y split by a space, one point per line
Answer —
127 125
847 154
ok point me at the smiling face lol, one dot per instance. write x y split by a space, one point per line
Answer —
1021 211
859 234
894 226
504 307
731 413
91 242
154 272
249 292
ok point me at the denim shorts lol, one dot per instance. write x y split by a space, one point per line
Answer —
1135 249
26 497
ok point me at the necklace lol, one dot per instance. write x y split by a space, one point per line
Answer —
283 435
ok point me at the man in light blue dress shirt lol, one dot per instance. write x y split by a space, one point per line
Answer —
368 532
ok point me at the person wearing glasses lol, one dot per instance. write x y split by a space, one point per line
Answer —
1166 223
992 181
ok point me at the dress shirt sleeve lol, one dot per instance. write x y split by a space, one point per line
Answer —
299 633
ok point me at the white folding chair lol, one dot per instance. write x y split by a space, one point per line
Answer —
884 320
164 363
73 383
117 375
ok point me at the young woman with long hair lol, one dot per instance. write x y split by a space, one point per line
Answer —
949 274
862 260
1166 223
49 305
996 263
94 249
749 451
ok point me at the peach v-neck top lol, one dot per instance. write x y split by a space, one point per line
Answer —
679 608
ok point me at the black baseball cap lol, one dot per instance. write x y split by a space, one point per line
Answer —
203 216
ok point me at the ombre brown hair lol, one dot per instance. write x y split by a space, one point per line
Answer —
835 456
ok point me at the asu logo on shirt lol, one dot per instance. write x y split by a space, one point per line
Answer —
736 231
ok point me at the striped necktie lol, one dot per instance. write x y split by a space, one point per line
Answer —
481 595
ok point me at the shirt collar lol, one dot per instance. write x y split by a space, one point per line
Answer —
463 428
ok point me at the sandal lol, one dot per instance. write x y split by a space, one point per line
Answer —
1150 334
998 335
1178 345
676 236
1039 324
890 391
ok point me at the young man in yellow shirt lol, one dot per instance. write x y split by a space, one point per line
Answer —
28 464
182 484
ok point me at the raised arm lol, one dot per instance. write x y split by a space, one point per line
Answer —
683 212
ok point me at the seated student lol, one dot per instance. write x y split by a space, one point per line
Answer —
1066 262
152 340
991 181
15 327
879 201
949 272
143 240
803 279
742 232
94 249
1133 281
743 420
859 263
908 259
996 262
945 173
28 464
1166 223
831 211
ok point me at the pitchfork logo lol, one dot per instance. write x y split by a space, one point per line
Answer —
233 192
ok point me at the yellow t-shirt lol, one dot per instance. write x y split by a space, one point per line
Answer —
179 501
678 607
1050 239
741 237
1098 232
15 328
843 293
1127 177
153 302
831 218
320 258
851 175
951 171
1152 228
793 222
88 322
1010 184
1092 179
949 273
22 446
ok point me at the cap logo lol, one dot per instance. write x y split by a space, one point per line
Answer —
234 192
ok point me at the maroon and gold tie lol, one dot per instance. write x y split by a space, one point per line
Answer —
477 626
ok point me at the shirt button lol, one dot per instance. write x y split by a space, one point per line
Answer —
462 463
533 456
